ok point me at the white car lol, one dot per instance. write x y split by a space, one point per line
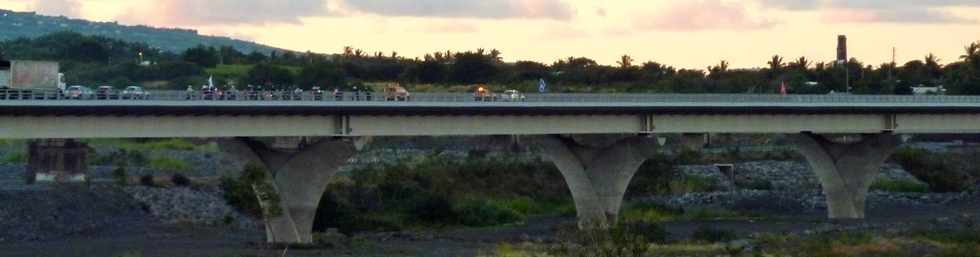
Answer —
512 96
79 93
134 92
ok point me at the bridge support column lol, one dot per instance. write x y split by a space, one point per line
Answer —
57 160
597 169
846 170
299 176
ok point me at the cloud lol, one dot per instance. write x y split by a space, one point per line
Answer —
703 15
485 9
226 12
890 11
70 8
451 28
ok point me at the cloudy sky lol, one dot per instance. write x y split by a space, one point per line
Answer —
683 33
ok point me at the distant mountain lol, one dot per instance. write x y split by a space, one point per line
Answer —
31 25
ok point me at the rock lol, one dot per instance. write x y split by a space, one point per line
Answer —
204 206
740 245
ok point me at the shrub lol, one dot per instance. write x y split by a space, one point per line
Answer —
119 176
653 177
147 180
943 173
479 213
180 180
251 192
899 186
430 208
713 235
169 164
618 241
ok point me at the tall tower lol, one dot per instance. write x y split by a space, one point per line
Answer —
841 49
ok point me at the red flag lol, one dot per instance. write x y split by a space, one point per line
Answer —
782 88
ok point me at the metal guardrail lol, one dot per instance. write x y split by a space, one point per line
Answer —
286 96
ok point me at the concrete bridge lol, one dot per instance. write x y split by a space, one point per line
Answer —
597 141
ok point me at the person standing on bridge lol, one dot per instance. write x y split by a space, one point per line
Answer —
189 92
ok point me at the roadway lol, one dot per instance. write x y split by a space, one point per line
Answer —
172 114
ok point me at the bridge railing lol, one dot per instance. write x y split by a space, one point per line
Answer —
280 96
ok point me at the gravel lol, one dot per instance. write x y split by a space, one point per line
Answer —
782 175
65 210
201 206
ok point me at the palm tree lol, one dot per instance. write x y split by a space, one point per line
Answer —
802 63
776 63
972 51
625 61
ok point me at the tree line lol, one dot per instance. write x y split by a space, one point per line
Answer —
95 59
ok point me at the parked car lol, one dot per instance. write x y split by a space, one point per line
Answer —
513 96
79 93
134 92
106 93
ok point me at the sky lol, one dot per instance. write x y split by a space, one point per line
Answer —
681 33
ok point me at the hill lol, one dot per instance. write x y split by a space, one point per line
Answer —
32 25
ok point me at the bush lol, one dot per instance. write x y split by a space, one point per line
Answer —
239 192
713 235
481 213
653 177
169 164
430 208
180 180
147 180
119 176
943 173
899 186
618 241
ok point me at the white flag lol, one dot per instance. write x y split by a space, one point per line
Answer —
210 81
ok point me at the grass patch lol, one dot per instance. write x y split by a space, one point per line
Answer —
14 159
899 186
649 212
169 165
176 144
692 184
713 235
653 213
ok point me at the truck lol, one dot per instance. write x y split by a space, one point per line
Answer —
395 92
22 79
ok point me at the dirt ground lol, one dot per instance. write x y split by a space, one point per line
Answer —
190 241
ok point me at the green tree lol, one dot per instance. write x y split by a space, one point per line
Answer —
472 67
270 76
775 66
323 75
202 55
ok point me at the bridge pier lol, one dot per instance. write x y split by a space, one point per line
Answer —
299 176
597 169
846 170
57 160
